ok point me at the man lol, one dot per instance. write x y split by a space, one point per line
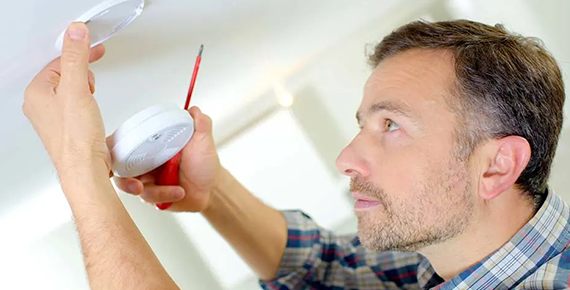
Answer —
459 125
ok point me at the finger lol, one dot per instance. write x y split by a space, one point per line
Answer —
91 82
203 123
129 185
47 80
75 60
162 194
147 178
97 53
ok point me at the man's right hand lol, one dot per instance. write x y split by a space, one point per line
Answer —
256 231
200 169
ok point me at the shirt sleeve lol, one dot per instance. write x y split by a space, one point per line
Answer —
315 258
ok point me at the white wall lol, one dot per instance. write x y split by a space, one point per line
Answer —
53 262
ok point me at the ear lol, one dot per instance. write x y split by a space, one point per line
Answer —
508 157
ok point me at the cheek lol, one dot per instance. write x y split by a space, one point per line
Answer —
400 167
405 165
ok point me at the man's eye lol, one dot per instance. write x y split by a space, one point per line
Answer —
391 125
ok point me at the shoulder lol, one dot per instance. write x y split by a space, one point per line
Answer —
553 274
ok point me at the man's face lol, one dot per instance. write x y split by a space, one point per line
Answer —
411 189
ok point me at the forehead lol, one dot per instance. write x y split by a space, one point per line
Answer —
420 80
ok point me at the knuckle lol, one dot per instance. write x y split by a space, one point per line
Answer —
149 192
71 56
52 80
156 194
208 119
25 108
26 105
162 194
29 92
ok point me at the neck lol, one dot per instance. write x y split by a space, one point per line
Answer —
495 222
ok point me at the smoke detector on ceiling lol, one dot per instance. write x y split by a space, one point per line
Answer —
107 18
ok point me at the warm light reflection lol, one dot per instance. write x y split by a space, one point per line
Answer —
284 97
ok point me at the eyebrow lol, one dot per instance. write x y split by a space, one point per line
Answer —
390 106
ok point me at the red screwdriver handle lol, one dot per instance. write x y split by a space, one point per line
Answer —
168 172
168 175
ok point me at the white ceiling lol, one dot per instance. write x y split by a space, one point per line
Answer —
249 46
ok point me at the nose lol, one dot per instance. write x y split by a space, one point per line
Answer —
351 163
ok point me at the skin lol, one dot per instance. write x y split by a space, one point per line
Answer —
420 196
60 106
453 212
405 134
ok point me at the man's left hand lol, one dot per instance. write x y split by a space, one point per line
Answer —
59 104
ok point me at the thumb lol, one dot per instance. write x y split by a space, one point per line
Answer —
75 60
202 122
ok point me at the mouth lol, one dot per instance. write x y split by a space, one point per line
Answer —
364 202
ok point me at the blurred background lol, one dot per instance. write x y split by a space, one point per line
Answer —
282 81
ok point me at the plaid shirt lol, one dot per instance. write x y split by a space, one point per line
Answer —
537 257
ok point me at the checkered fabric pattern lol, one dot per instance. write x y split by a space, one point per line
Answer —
537 257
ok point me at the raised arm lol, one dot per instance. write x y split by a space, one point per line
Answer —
256 231
60 106
115 253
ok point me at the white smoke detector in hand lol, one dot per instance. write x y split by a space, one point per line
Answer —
149 139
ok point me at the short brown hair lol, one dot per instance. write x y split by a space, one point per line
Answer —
506 85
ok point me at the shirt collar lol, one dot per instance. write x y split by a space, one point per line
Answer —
546 235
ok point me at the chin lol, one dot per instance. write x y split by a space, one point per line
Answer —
371 228
378 232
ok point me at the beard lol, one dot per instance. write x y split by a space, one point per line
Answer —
439 211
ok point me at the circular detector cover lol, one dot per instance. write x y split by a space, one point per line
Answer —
107 18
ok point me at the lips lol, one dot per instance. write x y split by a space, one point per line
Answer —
364 202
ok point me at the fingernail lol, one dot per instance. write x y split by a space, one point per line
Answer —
77 31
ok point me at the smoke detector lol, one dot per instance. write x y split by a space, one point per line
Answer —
106 19
149 139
